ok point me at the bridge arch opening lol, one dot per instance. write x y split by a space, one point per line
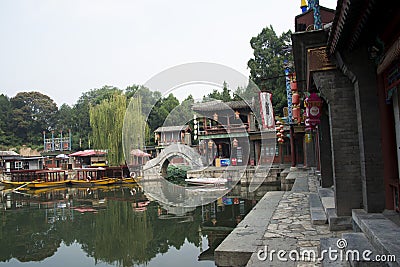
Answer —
174 168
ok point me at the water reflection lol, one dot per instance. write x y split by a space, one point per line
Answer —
114 226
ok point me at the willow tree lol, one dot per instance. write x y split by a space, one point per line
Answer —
136 131
106 121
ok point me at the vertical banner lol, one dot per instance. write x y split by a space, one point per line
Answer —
266 110
289 97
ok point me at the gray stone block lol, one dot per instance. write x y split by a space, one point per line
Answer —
383 234
327 244
325 192
338 223
271 259
357 244
328 203
315 201
300 185
318 215
243 241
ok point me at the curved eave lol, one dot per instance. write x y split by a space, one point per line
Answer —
301 42
349 23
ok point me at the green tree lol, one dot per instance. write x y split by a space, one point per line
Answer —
135 131
32 113
225 95
161 110
7 137
181 114
65 118
106 120
81 129
267 66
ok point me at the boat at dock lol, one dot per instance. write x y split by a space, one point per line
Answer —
92 177
36 179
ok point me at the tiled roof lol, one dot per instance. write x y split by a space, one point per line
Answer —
350 19
171 128
8 153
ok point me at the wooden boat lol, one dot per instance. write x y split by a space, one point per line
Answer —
98 182
129 180
91 177
44 184
122 173
36 179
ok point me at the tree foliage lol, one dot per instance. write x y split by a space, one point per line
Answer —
181 114
267 65
6 137
136 131
32 113
81 120
225 95
106 120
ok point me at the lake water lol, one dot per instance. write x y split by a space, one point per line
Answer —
114 226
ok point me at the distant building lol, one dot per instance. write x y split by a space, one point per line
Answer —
60 143
10 161
89 157
229 133
164 136
7 160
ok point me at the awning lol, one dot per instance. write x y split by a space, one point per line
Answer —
87 153
139 153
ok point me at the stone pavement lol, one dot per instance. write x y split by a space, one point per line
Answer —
291 223
288 227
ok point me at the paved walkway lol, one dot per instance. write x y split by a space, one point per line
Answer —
288 228
291 222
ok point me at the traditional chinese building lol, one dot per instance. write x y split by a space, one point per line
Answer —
229 133
166 135
12 161
353 64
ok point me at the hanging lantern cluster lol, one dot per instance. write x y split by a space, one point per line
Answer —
295 99
279 132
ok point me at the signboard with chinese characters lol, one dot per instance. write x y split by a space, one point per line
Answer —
318 60
267 112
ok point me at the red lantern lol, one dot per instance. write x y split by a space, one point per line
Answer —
296 113
296 99
293 86
313 105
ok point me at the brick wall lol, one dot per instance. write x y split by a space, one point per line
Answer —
338 91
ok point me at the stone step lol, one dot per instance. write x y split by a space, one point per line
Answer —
325 192
300 184
382 233
338 223
357 246
329 244
317 211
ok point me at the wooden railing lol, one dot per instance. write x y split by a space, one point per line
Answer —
222 129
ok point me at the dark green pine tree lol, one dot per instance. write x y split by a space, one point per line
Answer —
267 65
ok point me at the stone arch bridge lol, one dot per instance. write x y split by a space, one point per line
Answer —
161 162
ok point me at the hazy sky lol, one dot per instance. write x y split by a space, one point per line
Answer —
65 47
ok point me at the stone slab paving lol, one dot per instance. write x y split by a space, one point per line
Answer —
243 241
290 227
